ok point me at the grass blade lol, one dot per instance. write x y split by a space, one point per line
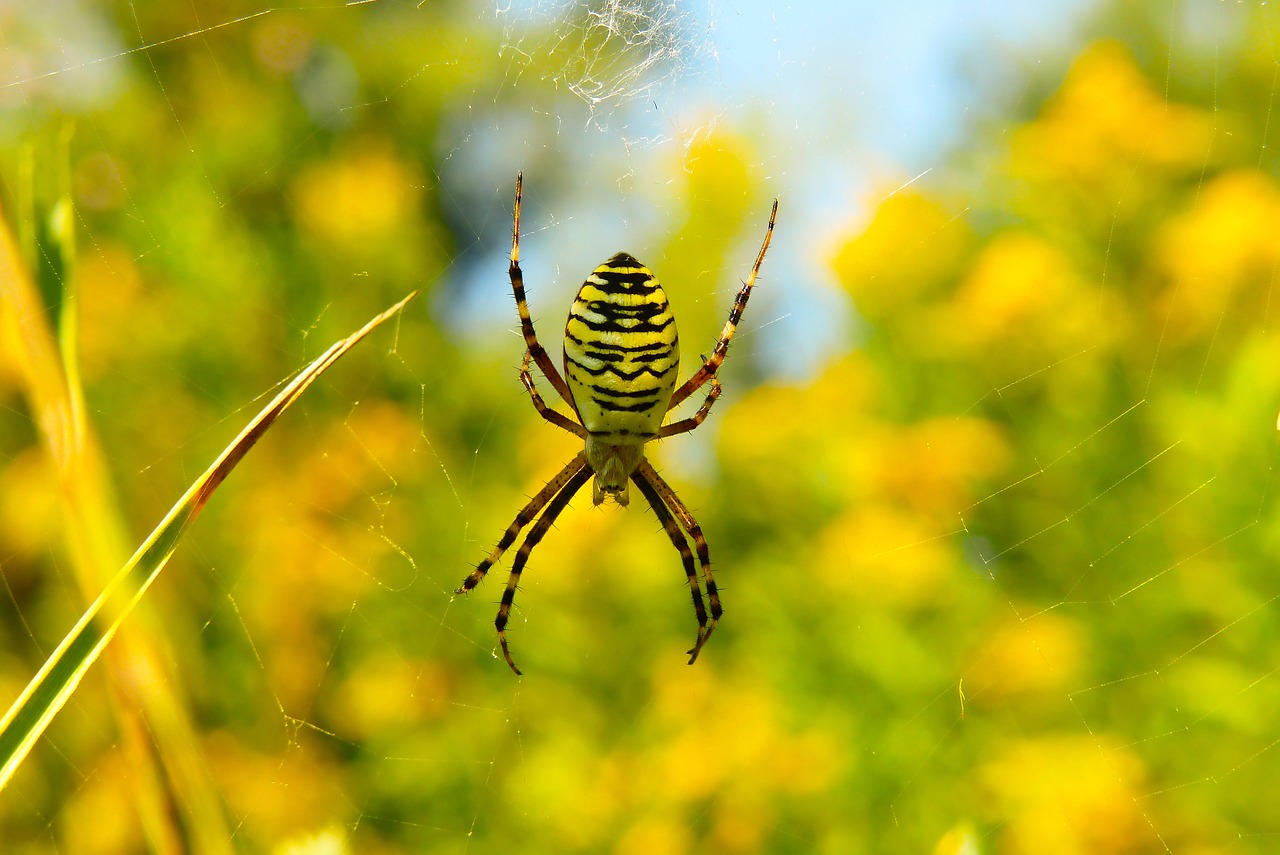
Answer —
57 680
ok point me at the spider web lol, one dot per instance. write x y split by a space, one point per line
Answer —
989 492
606 54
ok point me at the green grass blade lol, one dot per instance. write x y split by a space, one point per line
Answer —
57 680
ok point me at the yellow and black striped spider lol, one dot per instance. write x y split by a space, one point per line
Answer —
621 356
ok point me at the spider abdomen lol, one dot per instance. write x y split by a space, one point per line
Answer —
621 352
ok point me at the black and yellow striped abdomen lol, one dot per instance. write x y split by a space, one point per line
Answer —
621 352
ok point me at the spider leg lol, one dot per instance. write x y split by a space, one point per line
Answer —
558 419
539 353
686 425
681 544
526 515
712 365
682 513
531 540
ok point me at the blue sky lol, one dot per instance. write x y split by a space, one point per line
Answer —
866 96
852 100
902 71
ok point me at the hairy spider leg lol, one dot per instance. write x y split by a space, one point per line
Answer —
554 508
620 328
526 516
712 365
681 544
681 511
540 356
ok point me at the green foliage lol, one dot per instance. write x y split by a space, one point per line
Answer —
998 576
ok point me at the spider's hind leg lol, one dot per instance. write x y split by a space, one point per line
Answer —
523 518
535 535
668 508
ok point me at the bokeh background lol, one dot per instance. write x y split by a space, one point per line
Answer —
991 489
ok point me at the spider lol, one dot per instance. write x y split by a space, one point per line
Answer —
621 356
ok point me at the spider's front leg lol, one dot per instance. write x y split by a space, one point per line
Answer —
558 419
686 425
536 350
712 365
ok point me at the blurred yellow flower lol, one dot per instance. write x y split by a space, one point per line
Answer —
960 840
762 433
359 199
806 763
741 820
654 834
911 247
719 179
934 466
1104 119
99 816
1068 795
389 440
278 799
388 692
1221 253
728 734
31 513
1016 279
582 801
1042 655
329 841
112 298
883 555
1023 296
